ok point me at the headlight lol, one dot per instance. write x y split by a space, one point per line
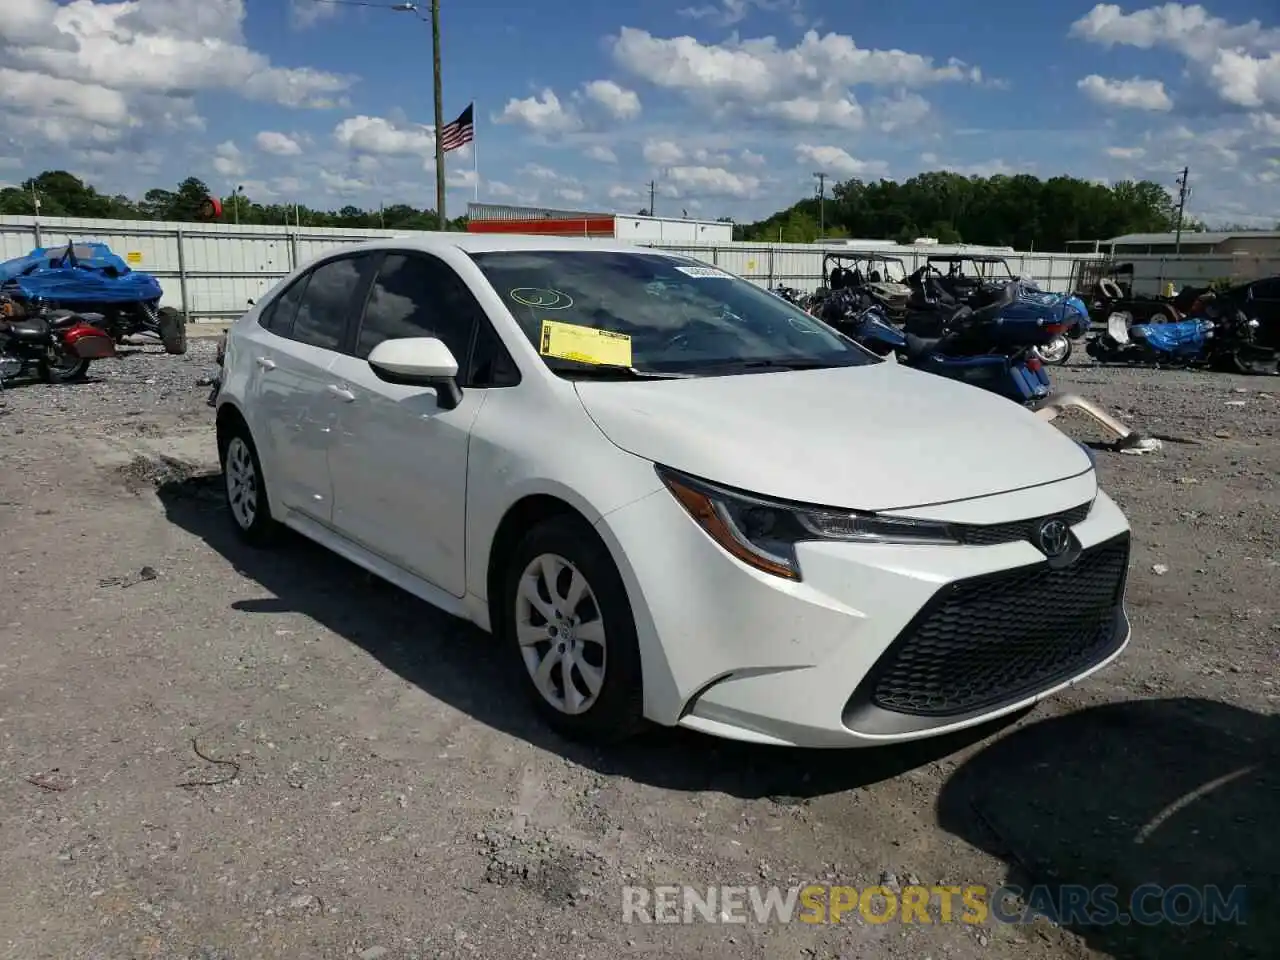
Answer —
763 533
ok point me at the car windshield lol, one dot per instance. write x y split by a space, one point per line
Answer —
655 314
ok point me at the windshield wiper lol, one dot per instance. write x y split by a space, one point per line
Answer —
772 364
613 371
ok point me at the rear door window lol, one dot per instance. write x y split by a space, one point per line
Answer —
332 298
279 314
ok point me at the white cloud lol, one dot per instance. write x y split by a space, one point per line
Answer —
1240 62
712 182
662 153
539 172
376 135
461 178
571 194
1126 153
621 103
544 113
1266 123
763 69
601 154
168 48
336 183
903 112
726 13
804 85
60 97
228 160
304 14
753 159
1132 94
618 192
836 161
277 144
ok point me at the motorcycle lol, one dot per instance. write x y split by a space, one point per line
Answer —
58 345
981 347
931 305
1213 336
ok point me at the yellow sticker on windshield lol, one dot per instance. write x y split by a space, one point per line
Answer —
568 341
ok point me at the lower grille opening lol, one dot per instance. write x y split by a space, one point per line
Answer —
997 638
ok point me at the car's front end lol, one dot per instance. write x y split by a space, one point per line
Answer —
787 624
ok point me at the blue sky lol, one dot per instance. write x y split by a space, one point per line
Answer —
730 105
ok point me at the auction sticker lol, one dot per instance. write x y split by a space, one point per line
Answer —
705 273
569 341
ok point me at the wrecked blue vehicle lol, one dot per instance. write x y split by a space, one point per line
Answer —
88 278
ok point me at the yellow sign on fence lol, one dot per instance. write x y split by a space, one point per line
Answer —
133 257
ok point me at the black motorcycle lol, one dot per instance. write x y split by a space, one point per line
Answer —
57 346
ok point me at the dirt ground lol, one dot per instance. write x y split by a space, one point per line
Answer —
211 753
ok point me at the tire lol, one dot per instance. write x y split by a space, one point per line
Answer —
1056 352
607 647
1164 314
242 483
72 370
172 327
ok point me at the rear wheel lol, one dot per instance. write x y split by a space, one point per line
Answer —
172 327
566 615
65 369
245 491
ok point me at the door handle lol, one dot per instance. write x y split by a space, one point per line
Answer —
342 393
266 363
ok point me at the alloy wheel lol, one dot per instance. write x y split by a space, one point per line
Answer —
561 633
242 483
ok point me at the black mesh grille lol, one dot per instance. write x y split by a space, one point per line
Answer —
996 533
1000 637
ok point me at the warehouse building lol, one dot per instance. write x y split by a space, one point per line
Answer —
501 218
1250 243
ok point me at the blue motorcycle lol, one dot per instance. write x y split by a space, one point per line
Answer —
931 299
992 347
1215 335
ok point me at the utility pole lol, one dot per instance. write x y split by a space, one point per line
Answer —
435 60
653 190
822 204
1183 192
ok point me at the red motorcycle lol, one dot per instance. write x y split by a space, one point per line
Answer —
57 345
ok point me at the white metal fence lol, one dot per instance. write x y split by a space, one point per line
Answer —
212 270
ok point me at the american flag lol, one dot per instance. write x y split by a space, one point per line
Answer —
459 133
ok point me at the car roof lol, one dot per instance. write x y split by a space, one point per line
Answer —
501 243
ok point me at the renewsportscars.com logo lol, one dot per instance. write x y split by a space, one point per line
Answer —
1069 904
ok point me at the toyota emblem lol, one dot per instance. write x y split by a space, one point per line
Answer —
1053 538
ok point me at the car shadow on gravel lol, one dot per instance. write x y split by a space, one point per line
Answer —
459 665
1166 792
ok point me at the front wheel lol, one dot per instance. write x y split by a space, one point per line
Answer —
171 324
1056 352
566 615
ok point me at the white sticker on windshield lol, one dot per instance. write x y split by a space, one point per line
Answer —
706 273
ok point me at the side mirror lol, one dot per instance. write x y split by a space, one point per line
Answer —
419 362
251 302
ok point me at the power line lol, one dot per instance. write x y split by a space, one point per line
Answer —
397 7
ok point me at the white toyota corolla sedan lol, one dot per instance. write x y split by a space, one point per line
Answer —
672 495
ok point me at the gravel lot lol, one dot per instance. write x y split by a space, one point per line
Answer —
211 753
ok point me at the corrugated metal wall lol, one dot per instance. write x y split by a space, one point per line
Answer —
214 269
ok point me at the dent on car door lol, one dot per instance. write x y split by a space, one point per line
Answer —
400 466
326 308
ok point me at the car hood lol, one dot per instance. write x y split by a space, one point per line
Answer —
878 437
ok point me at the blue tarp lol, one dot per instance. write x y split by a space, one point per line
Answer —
84 273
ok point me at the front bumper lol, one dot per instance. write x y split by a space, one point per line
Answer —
879 643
